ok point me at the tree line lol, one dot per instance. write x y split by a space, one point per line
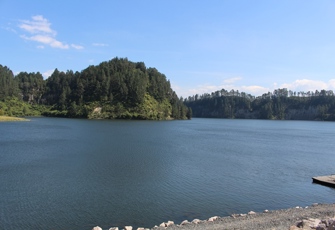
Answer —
279 104
117 88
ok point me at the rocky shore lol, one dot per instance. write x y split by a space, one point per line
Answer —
316 216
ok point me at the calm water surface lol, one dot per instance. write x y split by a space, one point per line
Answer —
76 174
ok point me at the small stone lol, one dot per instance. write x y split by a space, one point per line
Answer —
196 221
243 215
128 228
114 228
162 225
321 227
315 204
297 207
251 213
266 211
96 228
184 222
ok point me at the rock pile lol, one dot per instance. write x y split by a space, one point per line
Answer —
311 223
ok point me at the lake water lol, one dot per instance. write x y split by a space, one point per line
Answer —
75 174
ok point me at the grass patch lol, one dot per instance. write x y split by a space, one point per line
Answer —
7 118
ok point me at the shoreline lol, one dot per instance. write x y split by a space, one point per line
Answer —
310 217
8 118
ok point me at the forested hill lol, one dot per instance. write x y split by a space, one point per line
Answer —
114 89
281 104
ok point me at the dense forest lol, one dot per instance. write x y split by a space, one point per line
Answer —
114 89
280 104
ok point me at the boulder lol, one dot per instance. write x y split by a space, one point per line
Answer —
169 223
321 227
251 213
184 222
162 224
114 228
213 218
196 221
128 228
96 228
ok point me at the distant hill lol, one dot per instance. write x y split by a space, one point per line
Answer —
282 104
115 89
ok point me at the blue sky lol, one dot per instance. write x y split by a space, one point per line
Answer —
201 46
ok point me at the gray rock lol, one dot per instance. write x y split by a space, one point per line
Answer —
321 227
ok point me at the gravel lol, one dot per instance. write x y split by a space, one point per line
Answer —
270 220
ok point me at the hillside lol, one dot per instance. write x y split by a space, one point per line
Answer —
115 89
282 104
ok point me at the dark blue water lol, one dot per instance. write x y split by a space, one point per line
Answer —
76 174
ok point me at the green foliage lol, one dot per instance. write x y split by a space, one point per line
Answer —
281 104
114 89
12 106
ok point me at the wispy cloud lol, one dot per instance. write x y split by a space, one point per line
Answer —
39 30
77 47
100 44
232 80
256 90
308 85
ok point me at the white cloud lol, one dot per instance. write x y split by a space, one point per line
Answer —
48 73
308 85
39 24
232 80
100 44
77 47
40 31
48 40
254 90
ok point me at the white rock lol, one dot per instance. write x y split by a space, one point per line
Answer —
169 223
243 214
128 227
162 225
140 228
184 222
266 211
213 218
310 222
251 213
114 228
96 228
196 221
